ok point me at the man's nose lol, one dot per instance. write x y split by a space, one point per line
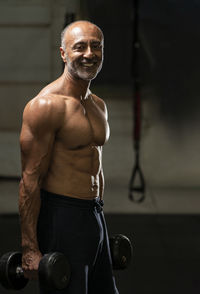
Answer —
88 53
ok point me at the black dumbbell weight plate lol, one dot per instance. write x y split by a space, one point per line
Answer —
121 251
54 271
11 276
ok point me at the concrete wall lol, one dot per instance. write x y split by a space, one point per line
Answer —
29 52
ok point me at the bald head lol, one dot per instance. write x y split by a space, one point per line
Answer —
76 27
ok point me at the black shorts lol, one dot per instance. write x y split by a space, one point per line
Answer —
77 228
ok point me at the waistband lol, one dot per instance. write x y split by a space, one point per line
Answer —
57 199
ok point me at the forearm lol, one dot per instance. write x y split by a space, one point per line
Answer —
29 208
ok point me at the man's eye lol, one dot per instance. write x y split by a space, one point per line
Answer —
79 47
96 46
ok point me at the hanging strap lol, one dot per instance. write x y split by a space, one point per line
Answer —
136 190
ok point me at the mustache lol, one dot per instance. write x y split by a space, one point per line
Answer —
86 60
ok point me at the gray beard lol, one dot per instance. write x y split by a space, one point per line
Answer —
81 72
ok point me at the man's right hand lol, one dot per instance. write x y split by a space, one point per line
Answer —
30 264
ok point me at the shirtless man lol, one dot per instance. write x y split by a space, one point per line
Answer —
61 190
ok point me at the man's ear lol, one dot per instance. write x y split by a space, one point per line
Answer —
63 56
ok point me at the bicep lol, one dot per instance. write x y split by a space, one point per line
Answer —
36 151
41 119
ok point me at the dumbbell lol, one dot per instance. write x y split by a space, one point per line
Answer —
53 271
121 251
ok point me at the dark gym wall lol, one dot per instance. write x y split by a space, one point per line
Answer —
115 19
170 43
169 74
170 38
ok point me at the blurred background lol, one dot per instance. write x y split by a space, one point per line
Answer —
165 227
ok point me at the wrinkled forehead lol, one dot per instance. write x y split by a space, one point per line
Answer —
83 32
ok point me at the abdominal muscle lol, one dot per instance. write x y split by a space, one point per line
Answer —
74 172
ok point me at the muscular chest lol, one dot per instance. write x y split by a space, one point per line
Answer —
85 124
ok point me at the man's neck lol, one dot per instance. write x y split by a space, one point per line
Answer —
74 87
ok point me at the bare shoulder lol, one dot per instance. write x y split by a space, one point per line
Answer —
100 103
44 111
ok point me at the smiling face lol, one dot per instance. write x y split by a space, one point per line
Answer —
83 50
